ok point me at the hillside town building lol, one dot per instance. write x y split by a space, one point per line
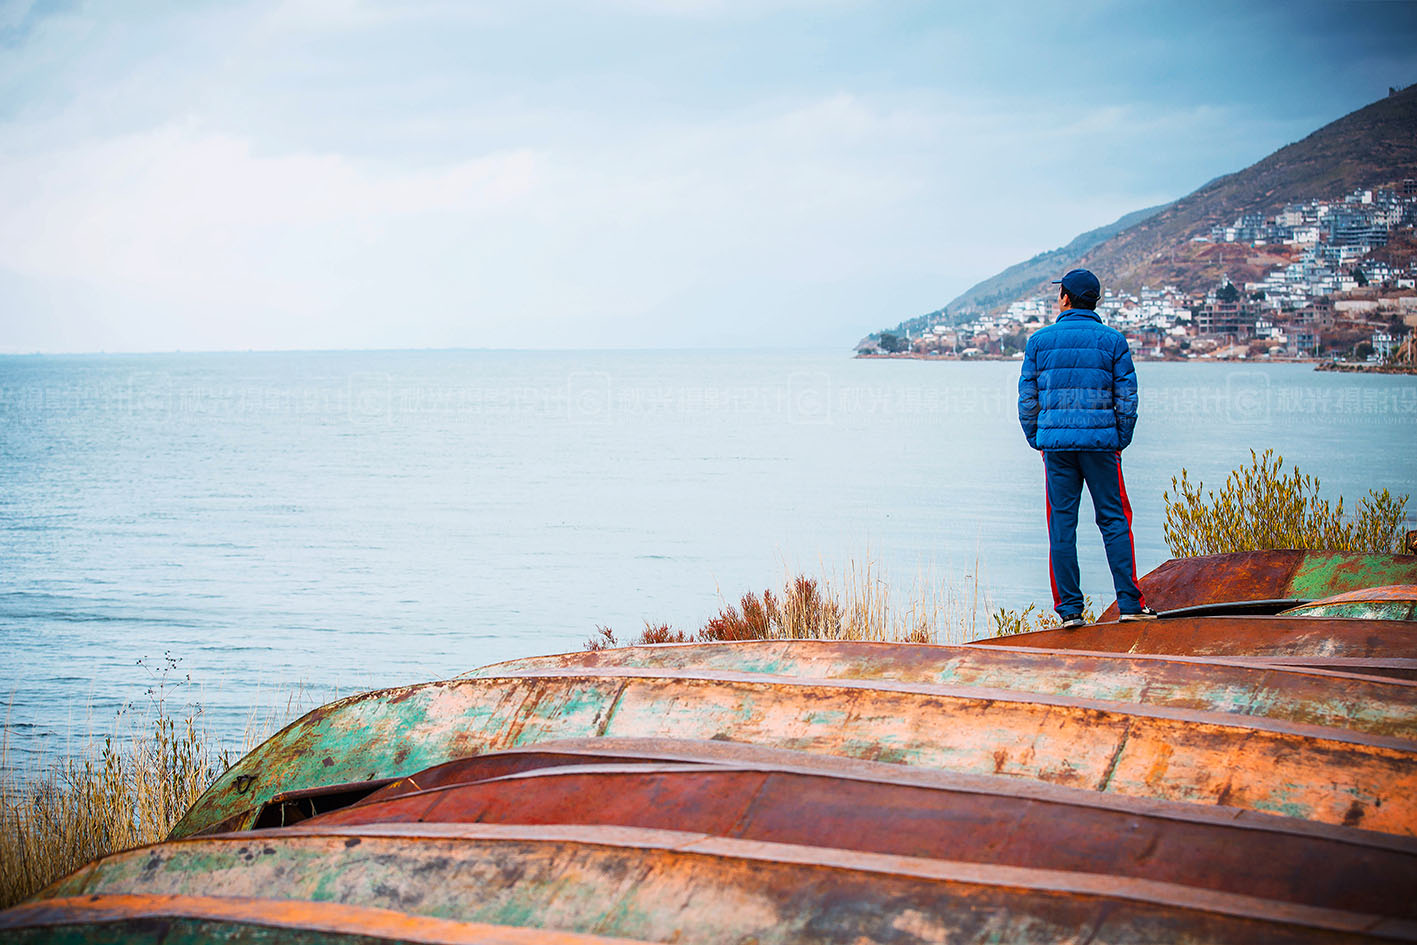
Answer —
1350 290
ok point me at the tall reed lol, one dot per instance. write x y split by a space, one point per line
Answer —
124 790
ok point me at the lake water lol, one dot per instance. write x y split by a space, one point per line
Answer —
348 520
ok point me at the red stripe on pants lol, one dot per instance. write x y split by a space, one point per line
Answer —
1131 539
1048 511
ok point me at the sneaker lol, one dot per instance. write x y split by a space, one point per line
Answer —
1073 622
1146 613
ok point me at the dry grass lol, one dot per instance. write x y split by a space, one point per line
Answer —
854 604
125 790
1009 622
1260 506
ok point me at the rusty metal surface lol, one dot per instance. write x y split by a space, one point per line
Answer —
1266 575
691 888
1387 592
1392 602
713 752
180 919
1259 764
1323 638
1382 707
1348 869
575 751
288 808
1390 667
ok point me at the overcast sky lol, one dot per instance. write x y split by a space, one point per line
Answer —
519 173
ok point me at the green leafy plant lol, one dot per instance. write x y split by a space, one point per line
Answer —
1263 506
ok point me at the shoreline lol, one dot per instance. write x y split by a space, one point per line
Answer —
1345 367
1319 364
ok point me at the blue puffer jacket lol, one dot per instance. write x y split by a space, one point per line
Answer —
1078 389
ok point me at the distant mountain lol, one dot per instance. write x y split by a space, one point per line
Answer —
1020 278
1371 147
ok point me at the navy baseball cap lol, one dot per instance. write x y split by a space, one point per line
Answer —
1081 285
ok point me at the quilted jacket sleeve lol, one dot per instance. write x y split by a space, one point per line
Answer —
1124 394
1028 395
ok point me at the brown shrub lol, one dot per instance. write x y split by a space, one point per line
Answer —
602 639
662 633
856 606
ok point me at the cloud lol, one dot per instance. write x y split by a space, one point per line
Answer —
122 208
345 173
319 15
820 205
715 9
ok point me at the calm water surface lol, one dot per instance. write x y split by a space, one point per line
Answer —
357 519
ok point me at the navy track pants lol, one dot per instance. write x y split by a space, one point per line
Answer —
1064 473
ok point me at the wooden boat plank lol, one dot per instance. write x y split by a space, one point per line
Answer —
691 888
1362 703
1346 871
159 919
1252 763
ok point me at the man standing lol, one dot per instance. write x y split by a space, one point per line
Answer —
1077 401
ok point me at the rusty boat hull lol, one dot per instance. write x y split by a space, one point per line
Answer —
251 920
872 808
1324 774
1269 581
1228 773
691 888
1209 684
1310 641
1392 602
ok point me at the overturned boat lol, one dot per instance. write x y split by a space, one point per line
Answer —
1242 770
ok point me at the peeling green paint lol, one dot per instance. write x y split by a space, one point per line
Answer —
1363 610
736 892
1324 574
398 732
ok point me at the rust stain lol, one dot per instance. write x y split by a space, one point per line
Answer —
1062 740
871 808
1267 575
1157 771
124 915
1234 637
1208 683
696 888
1116 756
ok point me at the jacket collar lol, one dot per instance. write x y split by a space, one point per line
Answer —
1081 313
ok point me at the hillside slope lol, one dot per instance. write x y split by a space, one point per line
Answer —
1373 146
1021 277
